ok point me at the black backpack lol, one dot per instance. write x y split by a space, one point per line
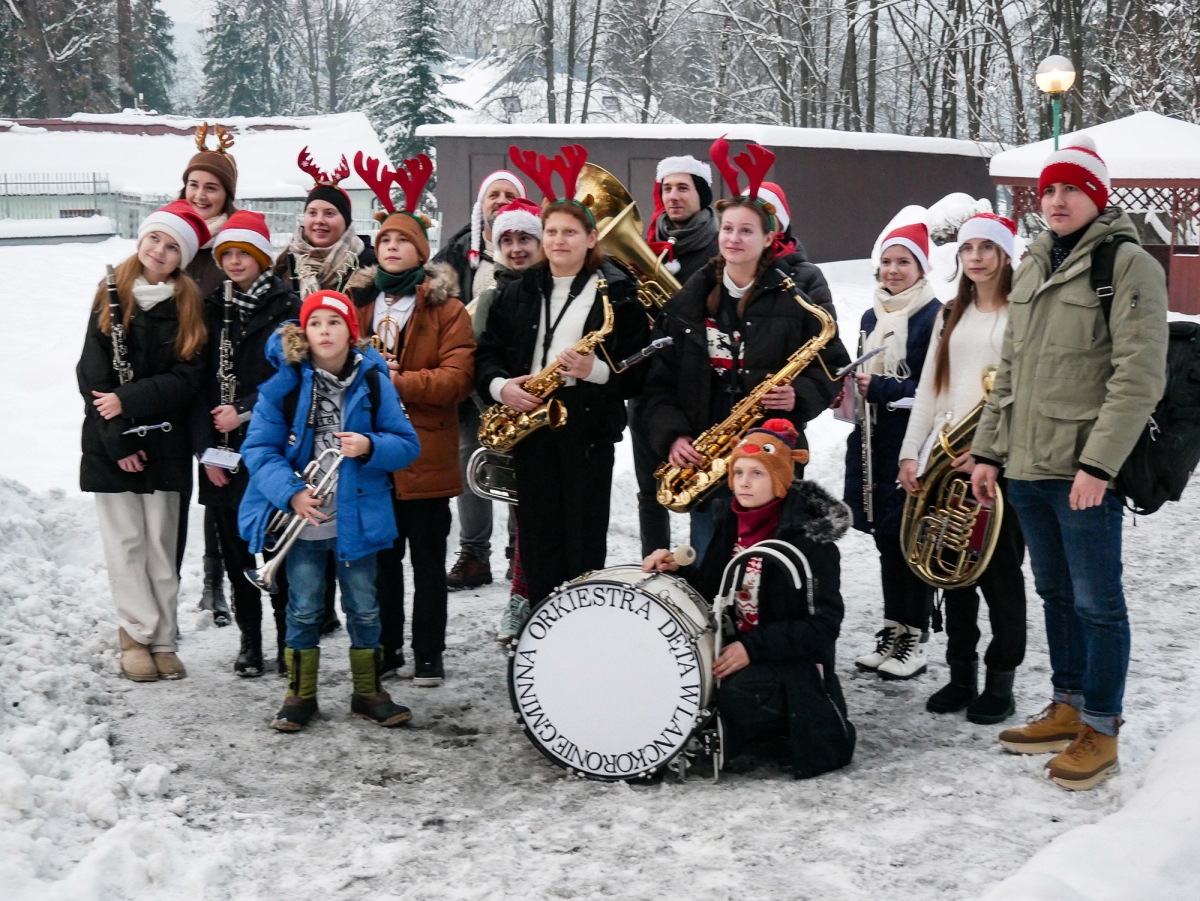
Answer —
1168 450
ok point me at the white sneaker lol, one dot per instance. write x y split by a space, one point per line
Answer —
908 656
885 643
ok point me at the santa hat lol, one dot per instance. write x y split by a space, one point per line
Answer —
773 444
915 237
773 194
180 220
1080 165
1000 231
477 210
700 172
248 231
331 300
218 163
519 216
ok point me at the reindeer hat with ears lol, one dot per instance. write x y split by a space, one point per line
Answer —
219 163
755 161
326 187
411 177
568 163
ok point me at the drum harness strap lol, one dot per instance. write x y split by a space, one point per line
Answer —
732 579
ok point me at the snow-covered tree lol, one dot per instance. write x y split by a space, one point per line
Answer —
398 84
247 64
153 55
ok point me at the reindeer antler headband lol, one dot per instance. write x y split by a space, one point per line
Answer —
224 139
412 176
755 161
320 177
568 163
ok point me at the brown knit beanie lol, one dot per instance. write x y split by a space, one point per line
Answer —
217 163
412 226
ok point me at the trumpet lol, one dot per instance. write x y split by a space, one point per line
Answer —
285 526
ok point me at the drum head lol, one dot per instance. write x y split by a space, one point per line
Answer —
608 680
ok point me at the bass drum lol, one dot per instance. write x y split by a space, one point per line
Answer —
612 674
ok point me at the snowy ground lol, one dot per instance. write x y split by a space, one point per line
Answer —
114 790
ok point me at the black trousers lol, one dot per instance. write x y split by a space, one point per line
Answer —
564 484
906 599
212 541
1003 587
424 526
753 704
654 521
247 598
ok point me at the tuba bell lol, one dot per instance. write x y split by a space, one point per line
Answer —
620 227
947 536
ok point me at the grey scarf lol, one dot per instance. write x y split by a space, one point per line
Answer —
693 237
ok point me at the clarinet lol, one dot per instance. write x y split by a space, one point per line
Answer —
116 329
225 374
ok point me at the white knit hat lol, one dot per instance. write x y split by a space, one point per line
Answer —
477 210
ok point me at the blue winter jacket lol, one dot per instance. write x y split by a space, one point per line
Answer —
275 451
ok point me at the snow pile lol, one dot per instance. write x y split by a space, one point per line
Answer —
1149 849
56 228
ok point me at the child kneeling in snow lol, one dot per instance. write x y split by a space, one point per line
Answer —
329 393
778 683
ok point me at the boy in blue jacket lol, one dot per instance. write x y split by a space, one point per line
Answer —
329 392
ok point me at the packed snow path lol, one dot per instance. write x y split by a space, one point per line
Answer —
116 790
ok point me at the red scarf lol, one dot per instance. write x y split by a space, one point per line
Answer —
754 526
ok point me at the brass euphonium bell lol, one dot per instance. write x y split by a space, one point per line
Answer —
620 226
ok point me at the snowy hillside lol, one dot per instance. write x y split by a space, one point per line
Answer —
179 790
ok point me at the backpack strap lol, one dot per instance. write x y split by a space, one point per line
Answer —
292 399
1104 262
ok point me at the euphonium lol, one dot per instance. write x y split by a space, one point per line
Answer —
620 229
947 536
502 428
680 489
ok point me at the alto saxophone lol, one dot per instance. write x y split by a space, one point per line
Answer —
502 428
681 488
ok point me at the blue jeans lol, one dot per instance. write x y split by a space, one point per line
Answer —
306 595
1076 560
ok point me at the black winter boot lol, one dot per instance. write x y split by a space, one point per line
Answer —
249 663
213 596
962 690
996 704
370 701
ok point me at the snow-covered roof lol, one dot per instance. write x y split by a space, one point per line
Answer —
144 153
768 135
1142 146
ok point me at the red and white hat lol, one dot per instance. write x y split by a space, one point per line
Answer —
477 210
1080 165
773 194
180 220
687 165
331 300
1000 231
248 231
519 216
915 237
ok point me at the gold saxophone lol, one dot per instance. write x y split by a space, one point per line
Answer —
502 428
947 536
681 488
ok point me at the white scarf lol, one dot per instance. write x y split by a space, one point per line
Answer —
215 224
147 295
734 291
891 328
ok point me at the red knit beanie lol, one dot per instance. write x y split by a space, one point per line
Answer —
331 300
1080 165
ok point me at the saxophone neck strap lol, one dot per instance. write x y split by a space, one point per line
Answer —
577 286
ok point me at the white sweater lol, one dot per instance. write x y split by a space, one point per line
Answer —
974 344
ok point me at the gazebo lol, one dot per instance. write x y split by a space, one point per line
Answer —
1154 163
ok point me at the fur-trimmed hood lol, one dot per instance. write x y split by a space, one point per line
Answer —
293 344
441 284
819 515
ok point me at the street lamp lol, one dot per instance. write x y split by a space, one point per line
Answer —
1055 75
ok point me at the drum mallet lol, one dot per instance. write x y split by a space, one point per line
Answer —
684 555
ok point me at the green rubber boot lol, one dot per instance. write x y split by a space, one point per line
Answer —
370 701
300 705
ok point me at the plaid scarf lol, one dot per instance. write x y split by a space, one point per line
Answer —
248 301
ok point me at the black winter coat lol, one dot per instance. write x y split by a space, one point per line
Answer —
507 348
250 365
454 254
678 398
890 426
802 645
162 390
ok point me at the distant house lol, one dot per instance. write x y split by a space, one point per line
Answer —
124 165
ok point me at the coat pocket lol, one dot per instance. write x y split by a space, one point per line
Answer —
1060 432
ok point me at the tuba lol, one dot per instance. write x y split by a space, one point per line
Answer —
680 489
490 475
620 228
502 428
947 536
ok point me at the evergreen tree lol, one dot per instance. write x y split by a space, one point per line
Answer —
153 55
247 65
399 85
19 92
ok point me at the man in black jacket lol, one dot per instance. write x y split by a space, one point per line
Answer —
469 251
684 216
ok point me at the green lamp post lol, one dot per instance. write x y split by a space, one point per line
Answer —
1055 75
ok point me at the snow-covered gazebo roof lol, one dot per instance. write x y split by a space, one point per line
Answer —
1143 149
143 153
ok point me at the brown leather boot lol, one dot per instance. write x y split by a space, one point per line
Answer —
169 665
1051 730
1088 760
469 571
136 662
